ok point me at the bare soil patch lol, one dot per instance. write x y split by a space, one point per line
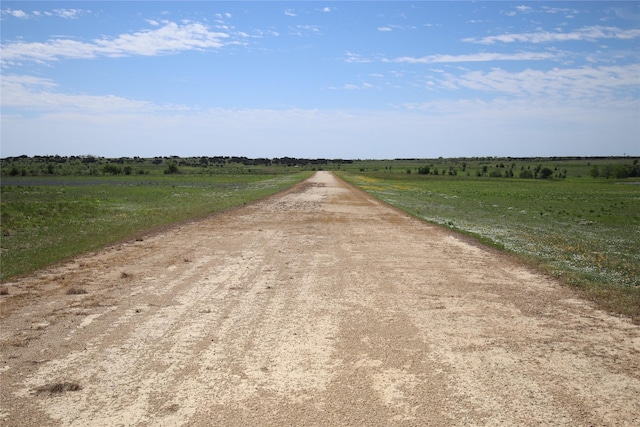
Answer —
321 306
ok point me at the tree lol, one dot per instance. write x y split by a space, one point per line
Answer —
545 173
621 171
595 172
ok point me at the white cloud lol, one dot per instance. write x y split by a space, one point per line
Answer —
302 30
167 39
523 8
355 58
326 9
555 10
290 12
475 57
16 13
580 84
384 29
69 13
39 95
592 33
350 86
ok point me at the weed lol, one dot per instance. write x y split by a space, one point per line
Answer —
76 291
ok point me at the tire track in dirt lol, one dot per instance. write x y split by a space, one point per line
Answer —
321 306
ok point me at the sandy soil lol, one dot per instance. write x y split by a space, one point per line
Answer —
320 306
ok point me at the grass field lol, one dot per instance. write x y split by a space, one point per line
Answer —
585 231
46 219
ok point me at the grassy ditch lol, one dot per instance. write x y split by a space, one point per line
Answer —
584 231
48 219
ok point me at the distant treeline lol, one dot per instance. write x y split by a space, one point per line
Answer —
96 165
184 161
490 167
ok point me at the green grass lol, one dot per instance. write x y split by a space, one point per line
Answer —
48 219
585 231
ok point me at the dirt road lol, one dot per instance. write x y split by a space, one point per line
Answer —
320 306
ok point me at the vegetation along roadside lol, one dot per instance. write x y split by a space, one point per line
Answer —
583 230
46 219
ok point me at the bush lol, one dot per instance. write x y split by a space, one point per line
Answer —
546 173
526 174
172 167
112 169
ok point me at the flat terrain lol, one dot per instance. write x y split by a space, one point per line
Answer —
319 306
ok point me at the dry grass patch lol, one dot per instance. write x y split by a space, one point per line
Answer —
76 291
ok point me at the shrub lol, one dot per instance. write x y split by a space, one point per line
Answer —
545 173
112 169
526 174
172 167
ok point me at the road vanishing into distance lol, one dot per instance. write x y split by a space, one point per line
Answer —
318 306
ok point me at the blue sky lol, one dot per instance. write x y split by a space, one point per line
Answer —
320 79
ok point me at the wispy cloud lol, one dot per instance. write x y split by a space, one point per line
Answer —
68 13
16 13
305 30
475 57
522 9
28 93
351 57
592 33
167 39
385 29
61 13
585 83
351 86
290 12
